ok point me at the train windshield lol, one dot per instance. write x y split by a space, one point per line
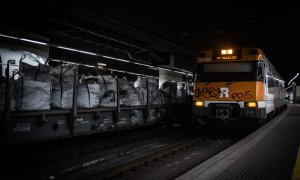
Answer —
227 72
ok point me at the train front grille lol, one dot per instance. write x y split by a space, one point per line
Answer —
229 111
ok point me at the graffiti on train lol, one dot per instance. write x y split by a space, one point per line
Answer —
222 92
237 96
212 92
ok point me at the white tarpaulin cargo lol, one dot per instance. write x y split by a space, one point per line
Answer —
110 83
62 97
63 85
130 98
143 95
109 100
102 87
155 95
39 72
124 85
88 96
141 82
32 95
33 88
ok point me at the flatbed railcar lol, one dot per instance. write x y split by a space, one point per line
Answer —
45 123
237 87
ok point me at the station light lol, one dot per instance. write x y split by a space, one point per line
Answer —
76 50
33 41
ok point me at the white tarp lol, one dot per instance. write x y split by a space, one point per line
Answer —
141 85
143 95
88 96
102 87
39 72
130 98
109 100
62 98
141 82
110 83
124 85
33 88
32 95
62 82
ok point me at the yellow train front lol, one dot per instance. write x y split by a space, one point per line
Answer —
236 87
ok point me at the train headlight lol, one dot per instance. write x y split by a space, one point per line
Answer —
251 104
226 51
199 103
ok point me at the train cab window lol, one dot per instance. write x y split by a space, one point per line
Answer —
260 71
227 72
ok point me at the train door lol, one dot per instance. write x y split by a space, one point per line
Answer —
262 70
269 92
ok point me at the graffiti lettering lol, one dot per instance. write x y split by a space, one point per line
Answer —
224 92
208 92
238 96
247 95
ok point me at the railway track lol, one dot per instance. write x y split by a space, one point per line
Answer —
107 158
171 161
154 156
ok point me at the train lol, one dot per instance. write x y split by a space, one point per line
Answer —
236 87
45 99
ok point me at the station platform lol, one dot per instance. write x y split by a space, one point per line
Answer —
271 152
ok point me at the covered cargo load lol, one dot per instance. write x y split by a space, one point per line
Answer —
155 95
90 90
129 96
62 86
109 98
32 89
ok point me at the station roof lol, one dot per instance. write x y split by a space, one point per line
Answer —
169 27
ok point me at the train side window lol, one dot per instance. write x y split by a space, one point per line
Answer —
270 81
260 71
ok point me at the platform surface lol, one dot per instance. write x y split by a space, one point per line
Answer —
268 153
